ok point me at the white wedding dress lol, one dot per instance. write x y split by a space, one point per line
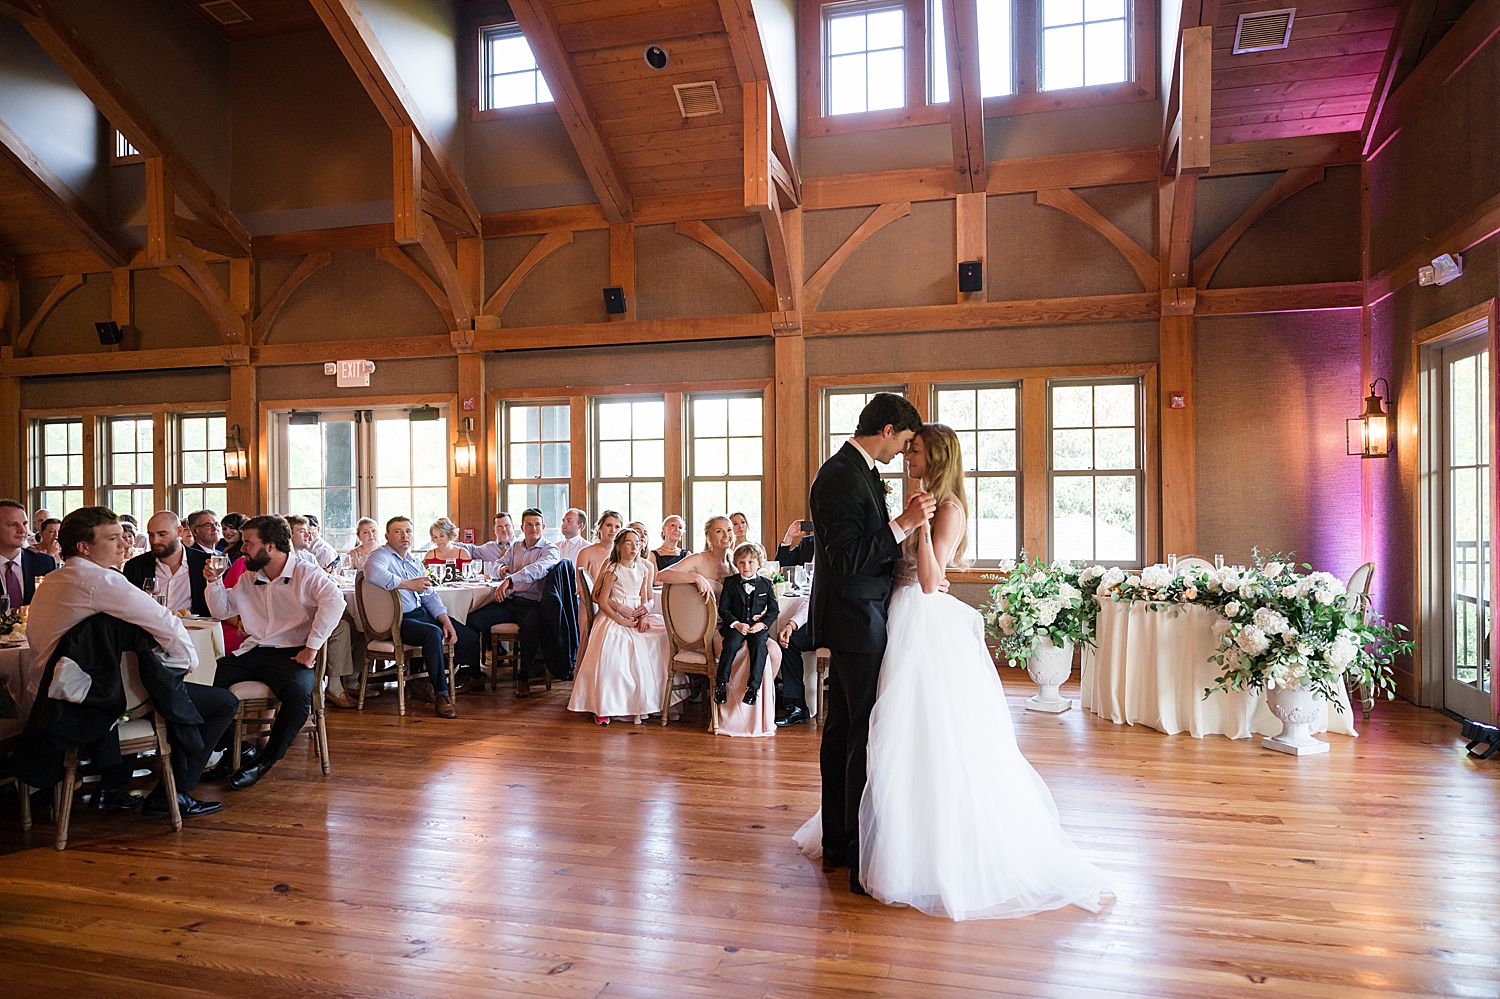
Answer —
954 820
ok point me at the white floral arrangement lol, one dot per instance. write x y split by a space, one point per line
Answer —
1037 601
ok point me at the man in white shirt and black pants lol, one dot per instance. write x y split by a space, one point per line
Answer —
287 609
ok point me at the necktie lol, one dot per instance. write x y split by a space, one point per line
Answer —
13 588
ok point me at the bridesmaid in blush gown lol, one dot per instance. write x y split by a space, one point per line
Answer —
624 669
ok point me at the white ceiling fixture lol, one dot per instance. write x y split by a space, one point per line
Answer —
1264 30
225 11
695 100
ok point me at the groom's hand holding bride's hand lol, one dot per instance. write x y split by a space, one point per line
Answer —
920 507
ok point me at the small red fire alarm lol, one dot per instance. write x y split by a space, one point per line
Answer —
1178 400
469 403
468 535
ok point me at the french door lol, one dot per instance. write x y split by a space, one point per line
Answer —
1466 528
344 464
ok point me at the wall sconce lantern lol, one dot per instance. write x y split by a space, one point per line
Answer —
1369 433
465 458
236 458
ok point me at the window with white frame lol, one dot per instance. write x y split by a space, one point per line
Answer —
841 407
997 75
629 460
986 419
509 74
57 465
865 57
199 462
411 468
538 460
1084 43
725 458
1096 450
126 463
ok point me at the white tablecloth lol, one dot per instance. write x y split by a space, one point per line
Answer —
1151 668
23 671
458 598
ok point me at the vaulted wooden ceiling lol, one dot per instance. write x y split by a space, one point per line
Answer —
260 17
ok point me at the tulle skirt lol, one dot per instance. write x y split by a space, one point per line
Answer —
624 671
954 820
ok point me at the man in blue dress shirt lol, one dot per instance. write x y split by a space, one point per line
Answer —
518 598
424 619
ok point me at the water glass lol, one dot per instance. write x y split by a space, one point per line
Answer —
1218 561
1172 563
220 562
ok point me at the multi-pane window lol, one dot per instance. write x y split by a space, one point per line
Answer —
725 458
411 469
841 407
1097 470
629 466
985 419
200 463
538 460
320 471
127 457
865 67
997 76
1467 448
1084 43
57 466
510 76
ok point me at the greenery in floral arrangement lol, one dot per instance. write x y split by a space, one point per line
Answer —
1036 601
9 620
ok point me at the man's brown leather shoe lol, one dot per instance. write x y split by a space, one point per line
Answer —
420 689
340 700
445 708
470 684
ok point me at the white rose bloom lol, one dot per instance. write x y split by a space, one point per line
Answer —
1289 592
1341 652
1233 608
1190 593
1111 578
1229 581
1327 581
1252 640
1007 565
1068 591
1274 569
1326 597
1040 576
1047 610
1156 577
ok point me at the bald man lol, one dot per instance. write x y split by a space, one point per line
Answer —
176 568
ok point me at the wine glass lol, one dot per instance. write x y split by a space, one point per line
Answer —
220 562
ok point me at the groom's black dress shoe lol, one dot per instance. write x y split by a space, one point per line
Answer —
855 886
797 715
248 776
189 806
720 694
115 800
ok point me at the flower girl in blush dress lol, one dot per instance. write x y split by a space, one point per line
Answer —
954 821
624 669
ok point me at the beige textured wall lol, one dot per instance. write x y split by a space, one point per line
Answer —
69 327
678 277
168 316
908 262
642 364
1021 347
127 388
356 297
566 287
1036 251
416 376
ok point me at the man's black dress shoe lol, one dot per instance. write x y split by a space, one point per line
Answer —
248 776
248 755
189 806
720 694
854 884
796 716
115 800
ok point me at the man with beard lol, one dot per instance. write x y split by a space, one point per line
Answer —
287 608
176 569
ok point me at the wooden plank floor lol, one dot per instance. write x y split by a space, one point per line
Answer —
521 851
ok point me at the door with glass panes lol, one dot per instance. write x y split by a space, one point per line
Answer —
345 464
1467 583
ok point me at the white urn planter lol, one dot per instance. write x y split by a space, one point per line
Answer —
1298 708
1049 667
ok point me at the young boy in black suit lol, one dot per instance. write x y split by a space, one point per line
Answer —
747 609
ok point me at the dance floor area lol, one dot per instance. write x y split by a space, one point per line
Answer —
521 851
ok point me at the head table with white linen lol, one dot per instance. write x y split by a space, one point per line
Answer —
1151 667
23 671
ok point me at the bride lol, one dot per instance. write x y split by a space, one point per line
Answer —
954 821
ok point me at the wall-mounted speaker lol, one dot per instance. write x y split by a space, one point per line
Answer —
109 333
614 301
970 276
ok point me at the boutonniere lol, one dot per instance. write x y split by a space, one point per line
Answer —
886 486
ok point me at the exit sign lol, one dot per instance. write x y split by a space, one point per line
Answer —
350 374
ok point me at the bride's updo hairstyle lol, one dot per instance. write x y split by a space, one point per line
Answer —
944 477
708 525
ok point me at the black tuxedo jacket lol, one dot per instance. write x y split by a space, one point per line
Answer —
144 565
737 605
857 555
33 566
799 555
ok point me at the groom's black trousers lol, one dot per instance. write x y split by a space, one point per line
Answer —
852 683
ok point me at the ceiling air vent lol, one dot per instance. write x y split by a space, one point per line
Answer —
1264 31
698 99
225 11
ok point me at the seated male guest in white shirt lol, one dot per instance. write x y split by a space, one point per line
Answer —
302 540
20 567
575 539
287 609
204 525
321 550
518 598
424 619
177 568
87 584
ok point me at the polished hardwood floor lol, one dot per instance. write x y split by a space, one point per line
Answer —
521 851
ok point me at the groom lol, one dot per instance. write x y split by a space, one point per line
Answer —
858 547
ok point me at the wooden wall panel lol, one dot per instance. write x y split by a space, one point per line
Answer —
1033 346
390 304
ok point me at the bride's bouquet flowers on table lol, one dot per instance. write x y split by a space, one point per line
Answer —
1038 613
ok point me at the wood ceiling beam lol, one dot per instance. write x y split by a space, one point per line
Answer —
965 105
765 292
1393 55
1142 262
125 113
751 65
763 194
69 208
309 265
545 246
639 29
448 275
539 24
1475 29
191 273
1205 263
1473 227
1193 150
367 57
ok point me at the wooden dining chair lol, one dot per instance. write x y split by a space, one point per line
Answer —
691 625
257 700
380 610
7 746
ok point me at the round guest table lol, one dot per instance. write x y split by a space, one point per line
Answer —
458 598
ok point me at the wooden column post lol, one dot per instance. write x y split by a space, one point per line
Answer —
161 473
245 495
472 503
12 482
578 454
1034 512
622 265
973 236
791 433
1179 491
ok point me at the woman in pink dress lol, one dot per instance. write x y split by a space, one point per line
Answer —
591 562
706 570
625 667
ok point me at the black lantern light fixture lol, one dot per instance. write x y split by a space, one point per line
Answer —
236 458
1369 434
465 457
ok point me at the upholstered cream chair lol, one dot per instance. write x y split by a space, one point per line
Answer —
256 699
691 625
380 610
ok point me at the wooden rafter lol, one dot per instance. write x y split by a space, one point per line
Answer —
544 247
1192 149
1205 263
161 214
309 265
406 183
1394 52
763 195
125 113
539 24
367 57
1473 227
65 284
1143 263
700 232
398 258
965 105
752 66
448 276
881 217
191 273
60 198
